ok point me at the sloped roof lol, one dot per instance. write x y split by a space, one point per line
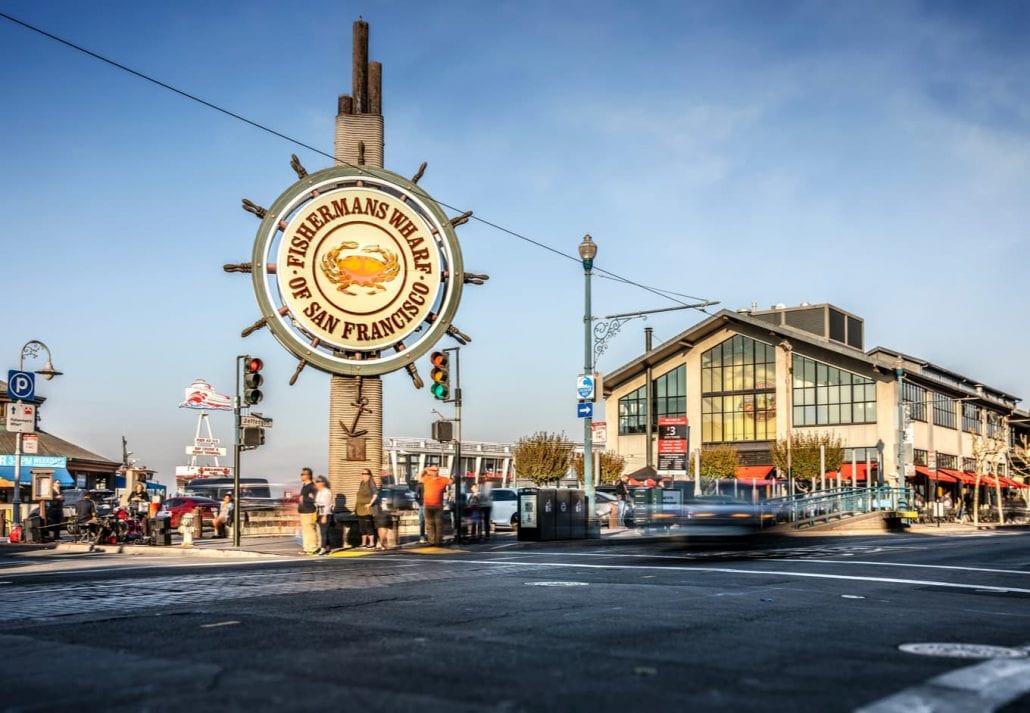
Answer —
51 445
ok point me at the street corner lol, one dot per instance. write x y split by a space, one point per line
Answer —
433 550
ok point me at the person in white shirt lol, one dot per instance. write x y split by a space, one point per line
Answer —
324 511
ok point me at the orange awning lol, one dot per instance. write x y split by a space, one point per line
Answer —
960 476
754 473
935 475
845 471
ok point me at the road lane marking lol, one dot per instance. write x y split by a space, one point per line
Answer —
730 570
984 687
963 651
908 564
219 623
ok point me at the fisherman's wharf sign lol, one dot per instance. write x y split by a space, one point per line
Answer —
357 271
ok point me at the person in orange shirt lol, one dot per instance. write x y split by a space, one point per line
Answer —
433 487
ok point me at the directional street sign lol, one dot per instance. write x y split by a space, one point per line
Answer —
255 422
585 387
21 418
206 441
204 451
30 443
585 410
21 385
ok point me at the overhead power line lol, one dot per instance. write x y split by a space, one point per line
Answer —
667 294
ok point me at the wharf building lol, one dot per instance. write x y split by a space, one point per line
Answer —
749 378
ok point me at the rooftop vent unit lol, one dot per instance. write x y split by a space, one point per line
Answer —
823 320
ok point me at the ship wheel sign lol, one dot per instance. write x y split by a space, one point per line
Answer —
357 271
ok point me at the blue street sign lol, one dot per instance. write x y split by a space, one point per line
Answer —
21 385
585 410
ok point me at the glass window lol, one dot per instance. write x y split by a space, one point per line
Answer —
943 411
738 387
831 396
971 418
914 397
670 394
631 413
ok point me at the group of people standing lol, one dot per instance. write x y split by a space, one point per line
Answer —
317 502
316 505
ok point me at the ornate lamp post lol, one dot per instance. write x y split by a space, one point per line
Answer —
48 372
587 252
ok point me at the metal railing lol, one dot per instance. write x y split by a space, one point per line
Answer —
809 509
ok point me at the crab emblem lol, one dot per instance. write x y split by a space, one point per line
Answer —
371 270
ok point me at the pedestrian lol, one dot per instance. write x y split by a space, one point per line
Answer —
475 514
421 513
365 506
306 513
324 513
622 497
224 517
486 506
433 487
54 510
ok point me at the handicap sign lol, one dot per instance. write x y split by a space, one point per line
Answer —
585 410
21 385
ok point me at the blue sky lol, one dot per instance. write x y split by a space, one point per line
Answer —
872 155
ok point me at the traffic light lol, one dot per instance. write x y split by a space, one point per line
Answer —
441 375
252 381
253 437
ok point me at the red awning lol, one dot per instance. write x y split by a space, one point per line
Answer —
845 471
935 475
959 475
754 474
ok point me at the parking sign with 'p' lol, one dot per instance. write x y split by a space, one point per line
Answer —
21 385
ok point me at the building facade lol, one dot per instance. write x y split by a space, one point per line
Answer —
748 378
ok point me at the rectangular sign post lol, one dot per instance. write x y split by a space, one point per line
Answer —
21 418
204 451
30 444
673 445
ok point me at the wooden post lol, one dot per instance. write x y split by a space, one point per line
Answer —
359 68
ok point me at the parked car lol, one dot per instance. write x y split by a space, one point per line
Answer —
175 508
396 497
104 500
505 507
603 503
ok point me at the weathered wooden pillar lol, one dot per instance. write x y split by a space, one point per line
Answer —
357 400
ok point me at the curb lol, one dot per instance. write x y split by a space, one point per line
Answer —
169 551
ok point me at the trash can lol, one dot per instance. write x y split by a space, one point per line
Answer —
529 524
578 501
547 513
33 533
563 514
162 531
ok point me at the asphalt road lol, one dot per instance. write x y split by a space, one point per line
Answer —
783 625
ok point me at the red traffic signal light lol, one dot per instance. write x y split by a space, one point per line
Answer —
252 381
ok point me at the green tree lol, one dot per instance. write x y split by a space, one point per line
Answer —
804 454
543 457
717 463
612 465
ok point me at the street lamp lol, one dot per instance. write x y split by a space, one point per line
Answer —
48 372
587 252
